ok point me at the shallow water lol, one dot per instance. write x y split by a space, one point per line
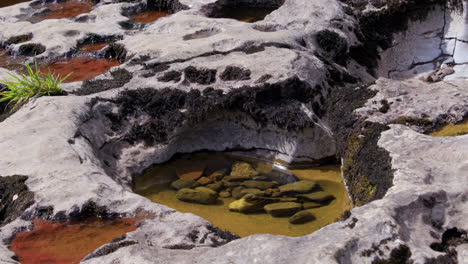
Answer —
11 62
4 3
155 185
67 9
92 47
82 68
149 16
452 130
60 243
246 14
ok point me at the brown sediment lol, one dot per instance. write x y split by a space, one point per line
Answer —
92 47
65 243
5 3
67 9
155 185
149 16
82 68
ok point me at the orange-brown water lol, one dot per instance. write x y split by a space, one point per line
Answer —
149 16
67 243
92 47
4 3
67 9
11 62
82 68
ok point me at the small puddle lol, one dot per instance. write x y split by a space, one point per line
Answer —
451 130
245 14
155 184
82 68
4 3
92 47
60 243
12 63
67 9
149 16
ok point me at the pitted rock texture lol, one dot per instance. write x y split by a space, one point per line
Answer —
294 87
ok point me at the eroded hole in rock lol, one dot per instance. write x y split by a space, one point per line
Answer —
82 68
5 3
243 11
69 242
68 9
149 16
11 62
142 14
92 47
94 42
204 33
420 40
246 196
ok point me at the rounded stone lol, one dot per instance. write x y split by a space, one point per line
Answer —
301 217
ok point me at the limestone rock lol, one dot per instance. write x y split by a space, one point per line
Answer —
204 180
224 194
217 186
237 192
197 196
190 172
206 190
318 197
217 175
282 209
310 205
262 185
301 217
241 171
298 187
249 204
254 191
181 184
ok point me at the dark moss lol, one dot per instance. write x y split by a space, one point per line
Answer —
92 38
233 73
264 78
399 255
452 237
333 45
31 49
201 76
116 51
5 107
423 123
19 39
120 78
385 106
171 76
89 209
277 104
366 166
71 33
15 198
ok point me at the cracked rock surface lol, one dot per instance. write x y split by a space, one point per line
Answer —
262 88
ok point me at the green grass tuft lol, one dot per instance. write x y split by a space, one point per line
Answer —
32 84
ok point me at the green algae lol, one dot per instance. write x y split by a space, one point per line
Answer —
155 185
452 130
